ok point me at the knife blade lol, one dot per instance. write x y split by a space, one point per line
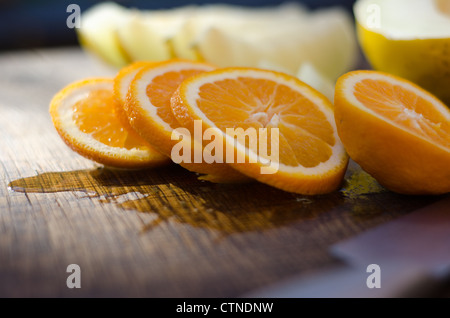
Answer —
406 257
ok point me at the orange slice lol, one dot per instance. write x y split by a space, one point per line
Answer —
122 82
84 115
149 113
307 158
395 130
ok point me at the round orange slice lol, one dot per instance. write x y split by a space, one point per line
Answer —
149 113
395 130
84 115
122 83
273 127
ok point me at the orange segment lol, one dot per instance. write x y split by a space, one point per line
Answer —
395 130
84 114
149 112
311 158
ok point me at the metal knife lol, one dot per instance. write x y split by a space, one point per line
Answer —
406 257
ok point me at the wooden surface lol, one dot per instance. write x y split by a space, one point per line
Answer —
152 233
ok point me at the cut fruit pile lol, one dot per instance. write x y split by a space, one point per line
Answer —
284 36
221 90
286 133
148 115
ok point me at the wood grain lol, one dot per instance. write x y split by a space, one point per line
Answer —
149 233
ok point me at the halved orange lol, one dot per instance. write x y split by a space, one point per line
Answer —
395 130
234 102
149 113
84 115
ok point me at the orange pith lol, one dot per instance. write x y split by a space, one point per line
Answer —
405 109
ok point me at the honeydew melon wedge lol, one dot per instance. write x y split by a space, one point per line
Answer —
146 35
286 35
204 16
325 38
186 42
97 33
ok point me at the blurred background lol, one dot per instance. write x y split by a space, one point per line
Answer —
35 24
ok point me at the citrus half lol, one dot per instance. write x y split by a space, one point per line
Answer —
408 38
395 130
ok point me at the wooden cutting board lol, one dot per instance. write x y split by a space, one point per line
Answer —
151 233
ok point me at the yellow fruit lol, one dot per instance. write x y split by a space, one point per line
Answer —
84 115
189 42
200 18
408 38
395 130
286 35
146 35
324 38
247 108
98 32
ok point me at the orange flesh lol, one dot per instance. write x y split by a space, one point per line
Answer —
306 137
160 90
96 115
405 109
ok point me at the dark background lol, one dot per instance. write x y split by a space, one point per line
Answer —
32 24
